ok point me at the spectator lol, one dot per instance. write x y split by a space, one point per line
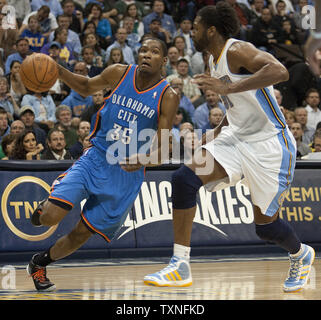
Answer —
199 62
76 16
179 43
301 115
289 117
16 86
133 39
64 21
313 103
83 131
201 114
26 147
44 108
302 148
103 27
32 33
122 7
98 101
7 102
133 12
256 8
66 51
17 127
115 56
88 56
185 103
189 142
90 27
121 36
289 33
280 14
157 31
54 6
172 58
288 6
185 30
64 117
167 21
4 124
46 19
265 32
20 55
74 100
56 145
7 146
214 119
92 40
190 89
316 147
27 116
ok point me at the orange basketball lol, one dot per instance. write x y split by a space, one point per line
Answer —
38 72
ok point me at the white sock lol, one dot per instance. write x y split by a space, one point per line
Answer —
295 255
182 251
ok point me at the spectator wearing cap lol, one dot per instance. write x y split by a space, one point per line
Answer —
54 6
157 31
158 10
22 52
27 116
36 39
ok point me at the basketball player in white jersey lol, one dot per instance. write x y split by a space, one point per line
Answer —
252 144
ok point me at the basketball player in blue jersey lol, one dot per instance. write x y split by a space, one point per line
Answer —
252 144
140 99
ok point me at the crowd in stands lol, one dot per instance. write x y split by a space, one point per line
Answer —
86 36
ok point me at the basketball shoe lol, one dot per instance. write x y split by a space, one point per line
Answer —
35 218
176 274
39 277
299 270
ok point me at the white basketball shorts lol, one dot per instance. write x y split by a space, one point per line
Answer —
265 167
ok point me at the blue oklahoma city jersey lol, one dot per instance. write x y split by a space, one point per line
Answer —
126 112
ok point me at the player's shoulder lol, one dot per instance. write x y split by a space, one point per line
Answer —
240 47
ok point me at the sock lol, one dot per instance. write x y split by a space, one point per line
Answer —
295 255
182 251
43 259
281 233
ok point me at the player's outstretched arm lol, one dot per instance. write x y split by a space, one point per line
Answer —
87 86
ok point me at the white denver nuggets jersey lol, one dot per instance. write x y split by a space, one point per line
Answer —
253 115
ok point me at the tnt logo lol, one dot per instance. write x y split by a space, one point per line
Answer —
18 203
8 280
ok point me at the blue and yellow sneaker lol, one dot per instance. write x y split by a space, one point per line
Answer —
299 270
176 274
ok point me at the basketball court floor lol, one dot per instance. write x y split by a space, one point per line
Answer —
234 278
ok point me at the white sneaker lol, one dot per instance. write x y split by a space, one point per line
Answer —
176 274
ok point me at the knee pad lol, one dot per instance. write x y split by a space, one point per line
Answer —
185 184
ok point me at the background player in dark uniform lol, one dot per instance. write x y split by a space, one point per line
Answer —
140 99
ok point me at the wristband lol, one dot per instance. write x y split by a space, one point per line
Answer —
315 35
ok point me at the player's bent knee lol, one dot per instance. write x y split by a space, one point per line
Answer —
185 184
52 214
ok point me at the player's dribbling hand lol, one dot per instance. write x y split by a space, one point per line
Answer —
205 81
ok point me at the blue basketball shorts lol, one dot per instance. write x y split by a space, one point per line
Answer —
109 192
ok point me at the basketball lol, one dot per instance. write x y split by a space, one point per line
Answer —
38 72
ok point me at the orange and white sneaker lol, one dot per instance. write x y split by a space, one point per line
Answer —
176 274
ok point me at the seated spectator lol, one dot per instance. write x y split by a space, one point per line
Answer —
133 12
158 12
256 10
103 27
92 40
316 147
115 56
66 51
56 145
7 146
46 19
64 118
302 148
54 6
301 115
76 16
199 62
157 31
280 14
288 6
171 64
73 39
214 119
43 107
180 44
98 101
133 39
313 104
88 56
6 100
22 52
26 147
289 117
184 102
189 142
185 30
266 32
123 9
121 36
4 124
27 116
76 150
16 86
190 89
17 127
74 100
32 33
289 33
180 118
201 114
